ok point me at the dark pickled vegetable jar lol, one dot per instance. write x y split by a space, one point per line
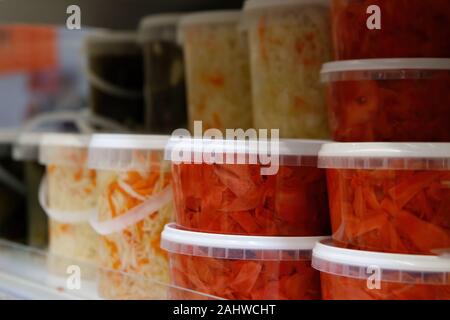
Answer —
389 100
164 88
409 28
12 193
115 75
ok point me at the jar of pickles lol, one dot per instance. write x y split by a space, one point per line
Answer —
217 70
289 42
164 88
115 77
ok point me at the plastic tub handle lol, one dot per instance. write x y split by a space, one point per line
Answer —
133 216
72 217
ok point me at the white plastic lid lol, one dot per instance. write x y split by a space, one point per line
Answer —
360 264
208 17
374 155
60 148
251 5
291 152
221 246
124 152
104 42
381 69
159 27
26 146
159 20
8 136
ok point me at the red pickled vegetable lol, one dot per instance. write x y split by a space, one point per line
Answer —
391 110
404 211
244 279
409 28
237 199
336 287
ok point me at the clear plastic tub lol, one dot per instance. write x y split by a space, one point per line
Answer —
389 100
26 150
241 267
289 41
134 206
115 75
217 70
238 197
389 197
164 89
68 194
413 28
363 275
12 191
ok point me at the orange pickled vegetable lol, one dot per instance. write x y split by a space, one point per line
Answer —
336 287
244 279
404 211
409 28
237 199
391 110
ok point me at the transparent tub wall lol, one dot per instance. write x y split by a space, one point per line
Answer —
24 274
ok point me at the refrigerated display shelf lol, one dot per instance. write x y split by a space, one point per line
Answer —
25 274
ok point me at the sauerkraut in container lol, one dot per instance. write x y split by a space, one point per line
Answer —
389 100
289 42
236 197
363 275
241 267
389 197
217 70
134 206
69 194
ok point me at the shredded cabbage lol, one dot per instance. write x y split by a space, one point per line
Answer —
136 249
287 49
218 76
72 188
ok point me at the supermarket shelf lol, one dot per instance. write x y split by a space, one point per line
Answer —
118 14
25 274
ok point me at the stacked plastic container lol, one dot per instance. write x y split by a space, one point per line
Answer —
68 194
134 204
289 40
164 85
217 70
246 223
388 182
26 150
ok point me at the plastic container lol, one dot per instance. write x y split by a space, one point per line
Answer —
413 28
12 191
115 65
289 41
68 194
388 100
134 206
217 70
26 150
239 197
164 89
241 267
389 197
362 275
